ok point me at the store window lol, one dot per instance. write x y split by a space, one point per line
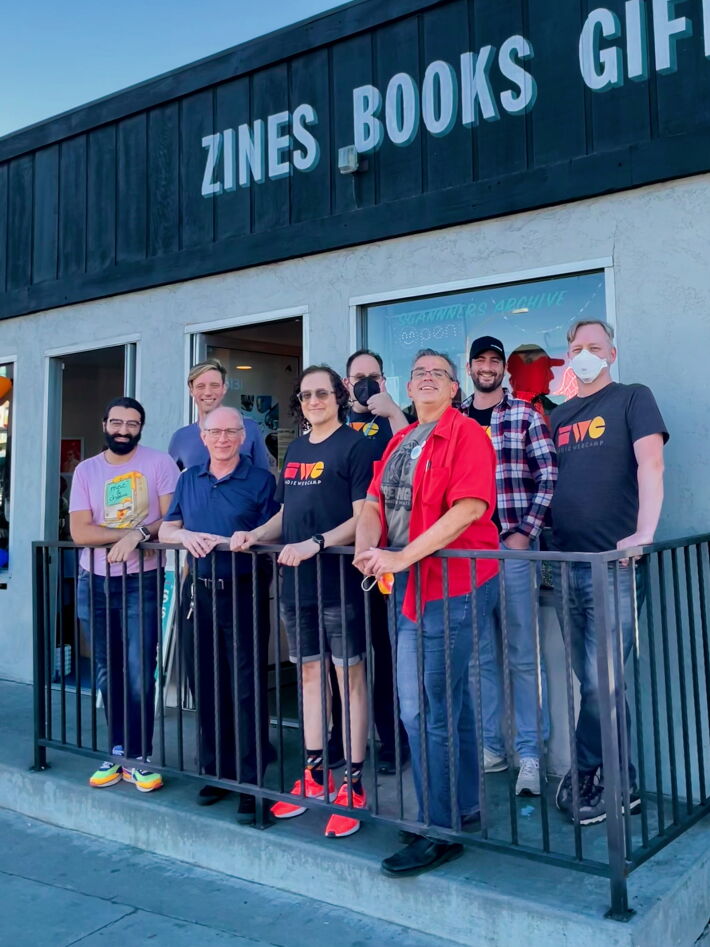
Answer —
530 319
6 400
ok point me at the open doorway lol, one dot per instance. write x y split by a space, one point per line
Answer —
80 385
263 362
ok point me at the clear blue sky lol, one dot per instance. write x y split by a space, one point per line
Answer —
57 54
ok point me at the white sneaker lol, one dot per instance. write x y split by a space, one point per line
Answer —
528 783
492 763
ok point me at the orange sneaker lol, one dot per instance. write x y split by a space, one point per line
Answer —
341 825
288 810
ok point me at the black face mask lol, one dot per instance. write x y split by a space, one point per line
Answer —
365 389
121 447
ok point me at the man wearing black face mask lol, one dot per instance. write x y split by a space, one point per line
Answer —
118 500
375 415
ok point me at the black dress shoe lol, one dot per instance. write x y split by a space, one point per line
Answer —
469 823
420 855
387 762
208 795
246 809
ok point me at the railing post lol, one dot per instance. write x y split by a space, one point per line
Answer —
609 723
39 635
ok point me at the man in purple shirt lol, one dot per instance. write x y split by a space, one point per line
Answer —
118 500
207 384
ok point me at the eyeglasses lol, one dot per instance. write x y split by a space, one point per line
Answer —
438 373
216 432
375 376
115 424
320 394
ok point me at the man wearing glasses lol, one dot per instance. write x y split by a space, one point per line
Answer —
434 489
118 499
225 494
322 489
207 384
375 415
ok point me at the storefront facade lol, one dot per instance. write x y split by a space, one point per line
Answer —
398 174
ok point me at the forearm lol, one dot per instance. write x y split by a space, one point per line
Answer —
171 532
368 530
91 535
446 529
269 532
341 535
397 419
650 485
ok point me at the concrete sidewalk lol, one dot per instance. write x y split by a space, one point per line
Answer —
482 899
94 892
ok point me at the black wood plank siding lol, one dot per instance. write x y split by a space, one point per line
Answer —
108 198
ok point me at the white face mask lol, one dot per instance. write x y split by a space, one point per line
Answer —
587 366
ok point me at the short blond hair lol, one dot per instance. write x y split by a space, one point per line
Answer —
210 364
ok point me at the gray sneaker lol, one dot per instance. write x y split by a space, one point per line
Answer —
528 783
492 763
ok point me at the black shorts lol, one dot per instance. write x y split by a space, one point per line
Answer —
336 646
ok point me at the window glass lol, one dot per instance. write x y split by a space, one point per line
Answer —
530 319
6 398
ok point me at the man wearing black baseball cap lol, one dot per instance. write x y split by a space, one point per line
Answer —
525 475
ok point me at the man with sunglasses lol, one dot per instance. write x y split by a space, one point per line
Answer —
434 489
118 499
212 500
322 489
375 415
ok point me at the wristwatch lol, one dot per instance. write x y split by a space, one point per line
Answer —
321 542
145 533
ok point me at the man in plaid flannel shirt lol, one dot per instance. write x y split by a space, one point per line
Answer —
526 472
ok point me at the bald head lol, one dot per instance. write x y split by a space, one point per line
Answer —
222 416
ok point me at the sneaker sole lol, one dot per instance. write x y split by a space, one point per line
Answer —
142 788
496 768
332 834
634 808
527 791
108 782
298 810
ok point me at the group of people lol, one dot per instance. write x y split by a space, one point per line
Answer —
483 474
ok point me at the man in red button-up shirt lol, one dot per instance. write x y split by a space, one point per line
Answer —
434 489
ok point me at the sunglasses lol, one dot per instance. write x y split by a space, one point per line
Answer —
320 394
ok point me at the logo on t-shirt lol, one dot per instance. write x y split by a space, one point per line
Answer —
303 474
367 428
581 433
125 500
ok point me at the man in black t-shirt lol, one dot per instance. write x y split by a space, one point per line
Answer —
375 415
609 493
322 488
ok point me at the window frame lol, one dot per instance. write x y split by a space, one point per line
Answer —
358 305
6 574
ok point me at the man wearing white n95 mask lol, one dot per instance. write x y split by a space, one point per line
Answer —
609 493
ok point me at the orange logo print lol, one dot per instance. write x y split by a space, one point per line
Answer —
580 431
296 471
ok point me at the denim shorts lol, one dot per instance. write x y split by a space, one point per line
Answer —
304 624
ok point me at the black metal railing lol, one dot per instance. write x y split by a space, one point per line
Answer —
196 636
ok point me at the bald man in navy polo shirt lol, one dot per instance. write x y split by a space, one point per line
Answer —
211 501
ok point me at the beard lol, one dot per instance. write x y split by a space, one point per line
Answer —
487 385
121 447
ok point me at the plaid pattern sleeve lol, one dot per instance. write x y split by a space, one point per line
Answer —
526 469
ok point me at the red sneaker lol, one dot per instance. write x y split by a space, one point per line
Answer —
288 810
341 825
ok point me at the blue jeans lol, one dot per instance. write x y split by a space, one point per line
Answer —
523 665
130 721
432 717
583 644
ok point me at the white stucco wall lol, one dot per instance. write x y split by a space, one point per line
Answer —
657 238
